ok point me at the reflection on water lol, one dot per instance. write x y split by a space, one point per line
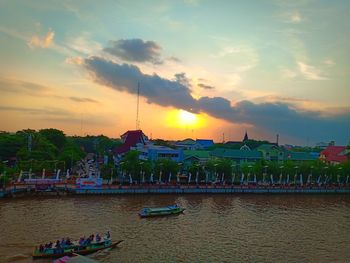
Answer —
213 228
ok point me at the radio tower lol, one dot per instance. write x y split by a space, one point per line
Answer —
137 107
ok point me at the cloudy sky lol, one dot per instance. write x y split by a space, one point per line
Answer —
206 69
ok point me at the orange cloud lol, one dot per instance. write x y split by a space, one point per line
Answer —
42 42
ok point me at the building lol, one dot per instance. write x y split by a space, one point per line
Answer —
239 156
129 139
301 156
194 156
271 152
188 144
154 152
334 155
205 144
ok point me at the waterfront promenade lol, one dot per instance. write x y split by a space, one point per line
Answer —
106 189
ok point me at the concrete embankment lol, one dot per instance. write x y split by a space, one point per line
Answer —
163 189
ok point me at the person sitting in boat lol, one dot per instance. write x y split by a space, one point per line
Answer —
68 242
107 236
98 238
63 242
81 241
58 244
87 241
41 248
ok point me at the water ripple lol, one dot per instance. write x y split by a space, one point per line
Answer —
213 228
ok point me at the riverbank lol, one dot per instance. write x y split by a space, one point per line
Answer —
63 188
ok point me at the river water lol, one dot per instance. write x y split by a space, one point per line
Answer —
213 228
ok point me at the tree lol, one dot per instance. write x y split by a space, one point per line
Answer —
131 163
56 137
166 166
71 153
10 144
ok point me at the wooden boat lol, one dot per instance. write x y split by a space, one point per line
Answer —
74 249
161 211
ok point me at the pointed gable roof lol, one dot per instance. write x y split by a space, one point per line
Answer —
130 139
245 137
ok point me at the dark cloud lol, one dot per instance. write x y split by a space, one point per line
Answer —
204 86
274 118
78 99
124 77
135 50
182 79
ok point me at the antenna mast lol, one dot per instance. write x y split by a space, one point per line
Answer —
137 109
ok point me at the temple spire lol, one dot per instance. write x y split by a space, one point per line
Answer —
245 137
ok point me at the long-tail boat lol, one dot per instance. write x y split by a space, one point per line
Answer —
74 249
161 211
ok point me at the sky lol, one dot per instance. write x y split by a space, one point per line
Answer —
205 69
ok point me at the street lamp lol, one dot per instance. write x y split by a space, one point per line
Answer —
309 181
248 177
121 174
281 175
296 173
265 173
325 175
216 177
178 173
141 173
339 174
233 175
197 172
160 173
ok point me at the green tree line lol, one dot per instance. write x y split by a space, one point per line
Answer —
49 149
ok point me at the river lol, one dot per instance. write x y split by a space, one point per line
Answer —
213 228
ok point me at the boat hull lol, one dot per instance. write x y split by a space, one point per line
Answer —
162 213
75 250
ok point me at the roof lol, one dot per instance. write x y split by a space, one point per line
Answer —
198 154
187 141
205 143
300 156
267 147
131 138
233 143
335 154
228 153
245 137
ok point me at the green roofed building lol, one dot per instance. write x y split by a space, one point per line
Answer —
300 156
271 152
196 156
239 156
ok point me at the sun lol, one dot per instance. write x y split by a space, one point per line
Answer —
187 118
184 119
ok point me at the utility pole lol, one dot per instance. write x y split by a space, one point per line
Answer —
137 107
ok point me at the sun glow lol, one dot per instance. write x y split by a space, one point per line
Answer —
184 119
187 118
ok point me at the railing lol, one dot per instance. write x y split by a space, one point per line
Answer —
68 187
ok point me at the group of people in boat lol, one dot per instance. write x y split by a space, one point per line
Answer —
66 242
86 241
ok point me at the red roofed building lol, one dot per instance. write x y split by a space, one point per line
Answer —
130 139
334 154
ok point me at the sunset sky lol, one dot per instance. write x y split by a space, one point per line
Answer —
265 67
